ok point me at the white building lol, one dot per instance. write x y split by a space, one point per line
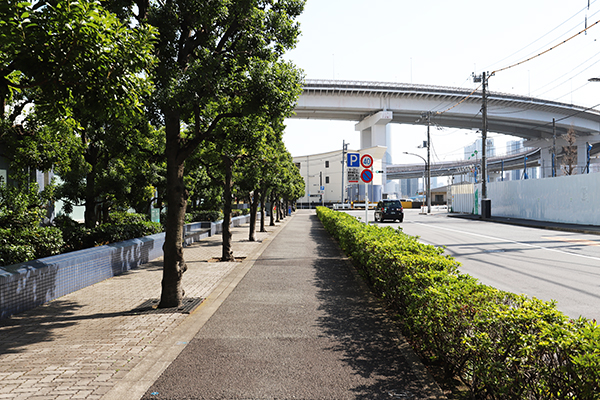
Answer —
325 184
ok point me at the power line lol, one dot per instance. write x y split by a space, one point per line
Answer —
545 51
566 73
543 36
519 63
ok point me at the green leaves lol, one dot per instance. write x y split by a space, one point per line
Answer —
21 236
502 345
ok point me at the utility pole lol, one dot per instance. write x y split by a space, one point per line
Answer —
553 147
320 186
344 148
428 164
484 140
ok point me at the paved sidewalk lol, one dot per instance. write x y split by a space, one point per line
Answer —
90 345
301 324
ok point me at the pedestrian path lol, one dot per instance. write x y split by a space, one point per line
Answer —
93 344
301 324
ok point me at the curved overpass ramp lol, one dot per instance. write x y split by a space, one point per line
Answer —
520 116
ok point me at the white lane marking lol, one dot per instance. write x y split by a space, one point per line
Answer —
583 242
509 241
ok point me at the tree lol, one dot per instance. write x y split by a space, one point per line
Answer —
569 159
73 75
118 167
279 177
216 60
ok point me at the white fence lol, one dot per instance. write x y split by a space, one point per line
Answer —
568 199
462 198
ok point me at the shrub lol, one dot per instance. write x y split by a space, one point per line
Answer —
502 345
21 236
122 226
205 215
25 244
124 217
75 235
111 233
11 253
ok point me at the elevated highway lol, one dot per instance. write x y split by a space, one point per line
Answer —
375 105
520 116
495 164
452 168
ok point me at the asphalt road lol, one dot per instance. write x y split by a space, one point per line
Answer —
546 264
300 325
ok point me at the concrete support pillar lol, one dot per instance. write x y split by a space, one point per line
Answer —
546 163
375 131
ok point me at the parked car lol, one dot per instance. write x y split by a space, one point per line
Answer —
389 209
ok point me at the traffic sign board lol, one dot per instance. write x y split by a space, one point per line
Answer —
353 160
366 161
366 175
353 175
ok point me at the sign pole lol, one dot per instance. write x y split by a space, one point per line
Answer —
367 203
366 161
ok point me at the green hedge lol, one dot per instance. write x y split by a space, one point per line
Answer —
502 345
112 233
203 215
121 226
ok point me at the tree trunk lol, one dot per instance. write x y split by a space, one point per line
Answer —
272 217
278 210
253 211
263 199
91 157
227 253
174 264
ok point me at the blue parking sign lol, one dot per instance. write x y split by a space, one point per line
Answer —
353 159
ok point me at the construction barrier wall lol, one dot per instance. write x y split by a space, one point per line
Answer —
567 199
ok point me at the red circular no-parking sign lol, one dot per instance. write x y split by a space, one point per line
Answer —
366 175
366 161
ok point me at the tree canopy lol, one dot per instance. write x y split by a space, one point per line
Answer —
107 92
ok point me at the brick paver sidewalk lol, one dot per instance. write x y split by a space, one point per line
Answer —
81 346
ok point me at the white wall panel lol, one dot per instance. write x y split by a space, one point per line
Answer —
462 198
569 199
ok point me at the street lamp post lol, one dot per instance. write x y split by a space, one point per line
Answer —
428 114
344 150
428 191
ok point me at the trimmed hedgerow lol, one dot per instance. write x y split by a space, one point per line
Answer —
502 345
204 215
121 226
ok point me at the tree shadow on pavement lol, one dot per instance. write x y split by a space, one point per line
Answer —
365 336
38 325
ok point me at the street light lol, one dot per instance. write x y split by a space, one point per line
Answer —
344 150
428 194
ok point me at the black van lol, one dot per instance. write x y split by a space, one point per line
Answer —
389 209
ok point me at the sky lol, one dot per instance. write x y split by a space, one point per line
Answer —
442 42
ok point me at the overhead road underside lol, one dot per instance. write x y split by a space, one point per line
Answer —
520 116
